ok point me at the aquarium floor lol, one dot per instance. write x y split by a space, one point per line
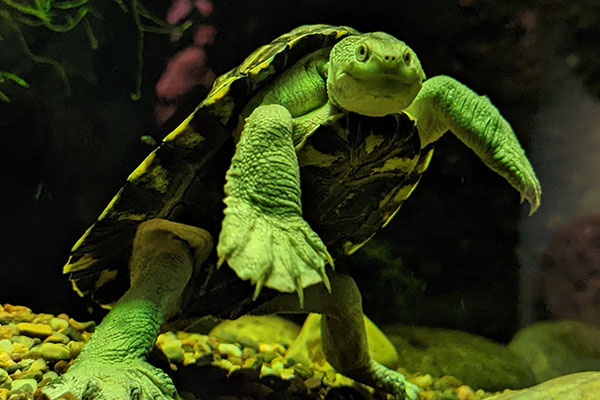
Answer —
36 348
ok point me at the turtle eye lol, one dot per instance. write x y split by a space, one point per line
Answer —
362 52
407 57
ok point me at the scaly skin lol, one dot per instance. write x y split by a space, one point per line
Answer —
112 365
446 104
263 225
264 237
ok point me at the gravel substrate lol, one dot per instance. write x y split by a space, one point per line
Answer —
36 348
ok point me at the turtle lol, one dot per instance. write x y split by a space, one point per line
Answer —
293 160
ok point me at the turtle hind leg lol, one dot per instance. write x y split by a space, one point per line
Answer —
112 365
343 334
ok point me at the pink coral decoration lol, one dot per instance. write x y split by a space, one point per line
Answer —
182 73
179 10
205 34
205 7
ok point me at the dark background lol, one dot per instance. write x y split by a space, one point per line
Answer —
457 249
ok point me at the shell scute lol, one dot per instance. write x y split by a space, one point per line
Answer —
182 179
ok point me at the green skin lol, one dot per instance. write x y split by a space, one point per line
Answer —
264 237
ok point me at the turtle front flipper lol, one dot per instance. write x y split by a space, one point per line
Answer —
446 104
264 238
112 364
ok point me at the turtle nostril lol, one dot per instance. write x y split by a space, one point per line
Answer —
389 58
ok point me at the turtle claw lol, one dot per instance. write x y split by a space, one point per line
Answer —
279 252
300 291
258 287
390 381
137 380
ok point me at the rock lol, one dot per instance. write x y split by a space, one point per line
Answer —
88 326
19 313
5 360
58 324
28 385
72 333
556 348
6 346
54 351
25 341
579 386
61 367
306 349
475 361
250 329
36 330
4 393
19 348
171 346
312 383
57 338
35 375
230 349
75 348
50 375
5 379
38 365
7 332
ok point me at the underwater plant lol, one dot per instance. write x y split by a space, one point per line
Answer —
4 76
22 18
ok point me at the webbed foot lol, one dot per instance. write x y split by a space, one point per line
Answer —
277 251
390 381
106 381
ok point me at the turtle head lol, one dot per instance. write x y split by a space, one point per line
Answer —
373 74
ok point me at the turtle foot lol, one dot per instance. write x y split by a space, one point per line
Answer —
277 251
390 381
132 380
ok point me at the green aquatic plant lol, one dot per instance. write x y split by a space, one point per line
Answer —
65 16
4 76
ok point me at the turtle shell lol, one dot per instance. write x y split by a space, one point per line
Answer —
355 170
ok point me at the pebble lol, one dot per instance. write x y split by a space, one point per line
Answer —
5 379
28 385
6 346
40 347
55 351
88 326
6 360
58 338
35 330
50 375
303 372
58 324
171 346
230 349
74 348
312 383
26 341
6 332
39 365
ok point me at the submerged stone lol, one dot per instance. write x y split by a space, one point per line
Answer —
474 360
579 386
54 351
250 329
556 348
306 349
37 330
